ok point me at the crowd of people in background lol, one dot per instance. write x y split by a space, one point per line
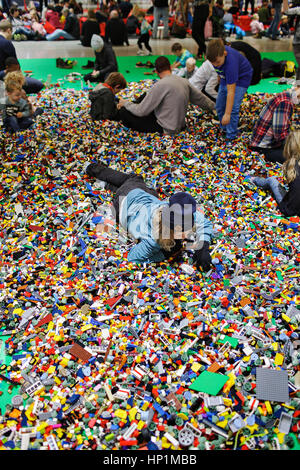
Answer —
116 20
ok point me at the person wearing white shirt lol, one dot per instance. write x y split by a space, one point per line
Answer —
206 80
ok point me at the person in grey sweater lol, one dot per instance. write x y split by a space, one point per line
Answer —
164 107
296 40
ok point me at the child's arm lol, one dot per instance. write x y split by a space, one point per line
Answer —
24 109
229 103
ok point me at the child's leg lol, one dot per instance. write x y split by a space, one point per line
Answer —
147 45
140 42
271 184
114 178
221 103
11 123
25 123
232 127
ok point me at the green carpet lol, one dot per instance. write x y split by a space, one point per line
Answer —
43 68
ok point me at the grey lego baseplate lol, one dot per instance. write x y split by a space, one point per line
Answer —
272 385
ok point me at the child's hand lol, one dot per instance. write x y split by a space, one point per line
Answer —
120 103
225 119
19 115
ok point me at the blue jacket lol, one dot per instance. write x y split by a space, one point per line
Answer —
136 213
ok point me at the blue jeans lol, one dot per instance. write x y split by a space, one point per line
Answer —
58 33
159 13
14 124
273 28
271 184
232 128
32 85
22 30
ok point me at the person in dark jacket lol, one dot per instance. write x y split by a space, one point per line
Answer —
7 49
288 200
103 98
115 30
105 63
125 8
89 27
253 57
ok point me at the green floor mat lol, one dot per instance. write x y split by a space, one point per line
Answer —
43 69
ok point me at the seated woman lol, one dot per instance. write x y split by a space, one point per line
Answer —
89 27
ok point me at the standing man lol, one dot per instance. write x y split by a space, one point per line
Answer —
7 49
161 11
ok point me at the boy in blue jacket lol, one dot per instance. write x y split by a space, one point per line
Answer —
161 227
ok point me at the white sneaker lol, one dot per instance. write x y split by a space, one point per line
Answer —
140 53
85 165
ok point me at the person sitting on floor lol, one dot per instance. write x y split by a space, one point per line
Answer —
115 30
89 28
31 85
288 200
105 63
206 80
53 18
273 125
16 111
103 98
164 107
257 28
163 228
284 30
189 70
181 55
71 29
20 30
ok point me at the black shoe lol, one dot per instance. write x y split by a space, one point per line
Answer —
89 65
93 169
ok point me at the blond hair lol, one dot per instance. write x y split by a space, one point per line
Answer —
291 153
165 243
14 81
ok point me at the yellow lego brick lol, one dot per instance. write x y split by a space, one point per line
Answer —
122 414
141 424
196 366
279 358
269 407
57 380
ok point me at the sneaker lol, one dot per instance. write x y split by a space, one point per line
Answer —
140 53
